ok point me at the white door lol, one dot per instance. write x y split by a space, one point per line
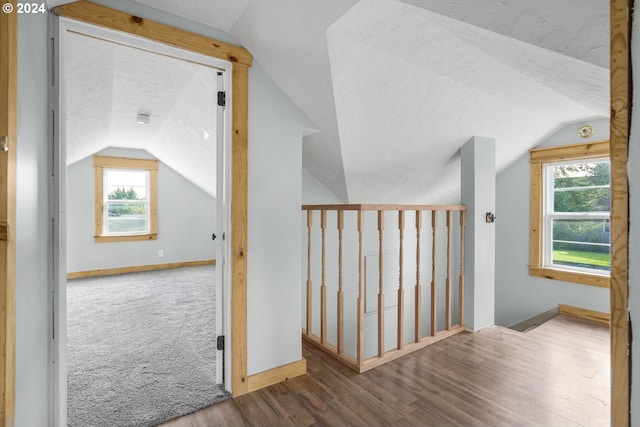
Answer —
221 227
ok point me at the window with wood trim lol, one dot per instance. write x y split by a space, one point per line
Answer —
125 199
570 213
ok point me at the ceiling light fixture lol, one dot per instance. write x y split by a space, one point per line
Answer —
143 119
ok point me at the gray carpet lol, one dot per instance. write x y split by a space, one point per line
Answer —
141 347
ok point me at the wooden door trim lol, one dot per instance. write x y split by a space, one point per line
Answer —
240 60
8 128
620 80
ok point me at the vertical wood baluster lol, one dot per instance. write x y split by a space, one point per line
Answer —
461 280
380 286
434 294
449 273
340 291
418 301
360 339
323 287
309 287
400 282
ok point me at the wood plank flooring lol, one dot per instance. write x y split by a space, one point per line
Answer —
554 375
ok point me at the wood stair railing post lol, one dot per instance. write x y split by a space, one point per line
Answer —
340 224
380 285
461 279
418 314
400 282
434 293
309 286
323 287
360 338
448 299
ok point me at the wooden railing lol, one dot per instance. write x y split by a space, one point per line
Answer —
366 325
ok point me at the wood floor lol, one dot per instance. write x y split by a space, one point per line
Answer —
554 375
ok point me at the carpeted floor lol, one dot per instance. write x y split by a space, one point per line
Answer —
141 347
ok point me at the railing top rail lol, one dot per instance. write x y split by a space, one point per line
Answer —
375 207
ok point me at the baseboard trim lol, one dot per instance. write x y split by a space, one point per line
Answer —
276 375
137 269
535 321
583 313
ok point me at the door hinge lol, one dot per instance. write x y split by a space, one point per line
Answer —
222 99
220 342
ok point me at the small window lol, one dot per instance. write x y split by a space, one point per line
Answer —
125 199
570 214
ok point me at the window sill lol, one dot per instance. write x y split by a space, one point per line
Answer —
570 276
131 238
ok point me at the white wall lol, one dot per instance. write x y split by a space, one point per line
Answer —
32 230
478 192
316 193
186 220
518 295
275 186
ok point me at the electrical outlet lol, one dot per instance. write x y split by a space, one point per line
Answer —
160 253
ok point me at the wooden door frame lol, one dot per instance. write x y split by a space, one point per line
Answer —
8 128
621 100
240 60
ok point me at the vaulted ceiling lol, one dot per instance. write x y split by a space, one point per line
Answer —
395 88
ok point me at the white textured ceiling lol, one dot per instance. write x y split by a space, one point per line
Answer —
396 87
412 86
108 84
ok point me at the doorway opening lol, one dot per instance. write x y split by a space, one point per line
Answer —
144 285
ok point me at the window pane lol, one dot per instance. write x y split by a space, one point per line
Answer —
122 184
127 218
581 187
582 243
587 200
585 174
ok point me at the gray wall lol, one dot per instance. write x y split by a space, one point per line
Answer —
275 186
316 193
478 193
186 219
518 295
32 233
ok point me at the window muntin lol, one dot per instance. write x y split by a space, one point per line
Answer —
126 199
577 211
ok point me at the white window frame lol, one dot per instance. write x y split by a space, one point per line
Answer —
106 202
550 216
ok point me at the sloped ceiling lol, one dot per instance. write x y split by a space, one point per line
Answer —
395 88
109 84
